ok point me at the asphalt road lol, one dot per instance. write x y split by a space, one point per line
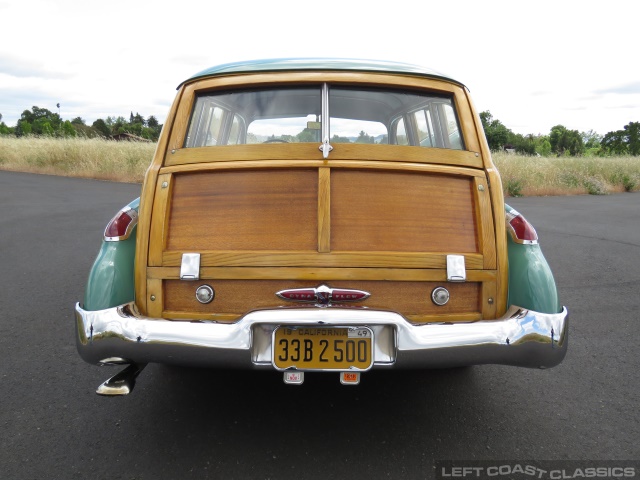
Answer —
195 424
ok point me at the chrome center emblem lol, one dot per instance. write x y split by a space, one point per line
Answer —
323 295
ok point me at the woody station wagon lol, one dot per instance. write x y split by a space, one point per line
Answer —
320 215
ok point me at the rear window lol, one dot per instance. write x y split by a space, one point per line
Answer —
294 115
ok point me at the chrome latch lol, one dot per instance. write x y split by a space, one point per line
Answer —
325 148
190 266
456 270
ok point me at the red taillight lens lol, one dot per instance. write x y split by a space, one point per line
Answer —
520 229
120 226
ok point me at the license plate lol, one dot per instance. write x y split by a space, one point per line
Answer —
323 348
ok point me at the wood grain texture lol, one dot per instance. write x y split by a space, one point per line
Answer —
268 258
248 210
239 296
324 210
160 218
321 275
402 212
310 151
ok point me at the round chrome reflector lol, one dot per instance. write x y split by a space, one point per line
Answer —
440 296
205 294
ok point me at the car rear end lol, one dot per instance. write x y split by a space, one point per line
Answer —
325 219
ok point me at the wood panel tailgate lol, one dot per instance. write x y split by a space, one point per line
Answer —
382 229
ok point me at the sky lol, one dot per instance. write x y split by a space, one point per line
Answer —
532 64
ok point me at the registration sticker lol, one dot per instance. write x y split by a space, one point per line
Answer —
294 378
349 378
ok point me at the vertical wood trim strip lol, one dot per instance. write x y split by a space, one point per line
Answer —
154 290
489 301
324 210
146 203
486 232
159 220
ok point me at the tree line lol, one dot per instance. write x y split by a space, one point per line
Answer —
41 121
562 141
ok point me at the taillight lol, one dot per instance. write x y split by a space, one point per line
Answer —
120 226
520 229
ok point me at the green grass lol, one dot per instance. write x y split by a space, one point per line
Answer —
128 161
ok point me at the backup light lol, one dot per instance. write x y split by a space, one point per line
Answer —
440 296
205 294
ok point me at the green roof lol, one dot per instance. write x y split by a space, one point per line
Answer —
301 64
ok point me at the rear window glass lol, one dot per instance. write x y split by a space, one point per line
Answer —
295 115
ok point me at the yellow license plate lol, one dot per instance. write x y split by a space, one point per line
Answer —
323 348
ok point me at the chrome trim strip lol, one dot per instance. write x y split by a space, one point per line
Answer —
521 338
325 147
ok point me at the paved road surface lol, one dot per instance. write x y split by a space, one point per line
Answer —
196 424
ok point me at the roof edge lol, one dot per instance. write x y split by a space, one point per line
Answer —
310 64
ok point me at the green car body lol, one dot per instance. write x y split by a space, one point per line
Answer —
111 279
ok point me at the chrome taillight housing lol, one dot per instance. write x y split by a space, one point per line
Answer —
121 226
520 229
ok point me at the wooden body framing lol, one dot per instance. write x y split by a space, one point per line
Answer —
379 218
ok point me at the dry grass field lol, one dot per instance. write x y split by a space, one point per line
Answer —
77 157
535 176
127 162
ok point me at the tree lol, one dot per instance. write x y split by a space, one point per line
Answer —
101 127
4 130
307 135
363 137
152 122
591 139
41 122
543 146
525 144
68 130
565 142
23 128
614 143
137 118
633 137
338 139
497 134
622 142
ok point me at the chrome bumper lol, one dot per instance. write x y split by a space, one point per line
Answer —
521 337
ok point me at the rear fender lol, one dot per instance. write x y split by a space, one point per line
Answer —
111 279
531 282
